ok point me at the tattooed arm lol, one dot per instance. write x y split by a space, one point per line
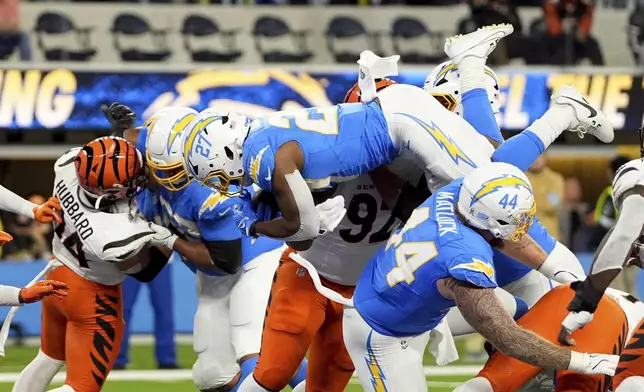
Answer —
483 311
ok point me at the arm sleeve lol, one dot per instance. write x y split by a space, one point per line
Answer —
626 231
9 296
11 202
157 262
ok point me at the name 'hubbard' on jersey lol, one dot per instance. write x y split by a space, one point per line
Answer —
91 242
397 293
345 140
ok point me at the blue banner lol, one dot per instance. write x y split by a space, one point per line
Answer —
64 99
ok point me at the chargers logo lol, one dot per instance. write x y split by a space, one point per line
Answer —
212 202
478 266
493 185
255 165
177 129
445 142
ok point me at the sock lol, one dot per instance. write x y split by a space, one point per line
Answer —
477 111
64 388
36 376
553 122
520 150
247 368
301 387
300 375
471 73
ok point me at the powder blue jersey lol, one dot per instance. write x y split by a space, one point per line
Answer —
397 292
337 141
201 215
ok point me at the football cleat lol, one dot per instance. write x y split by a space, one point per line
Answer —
588 118
478 44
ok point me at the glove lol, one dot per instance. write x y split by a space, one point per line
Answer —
163 236
43 289
573 322
120 117
331 213
46 212
244 215
5 238
593 363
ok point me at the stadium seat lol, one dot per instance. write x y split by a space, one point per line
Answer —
406 30
345 29
52 24
200 26
133 26
268 30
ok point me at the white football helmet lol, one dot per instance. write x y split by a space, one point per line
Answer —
163 148
212 149
442 83
498 198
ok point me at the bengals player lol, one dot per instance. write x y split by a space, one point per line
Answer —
95 245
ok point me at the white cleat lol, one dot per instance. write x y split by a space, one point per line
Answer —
478 44
588 118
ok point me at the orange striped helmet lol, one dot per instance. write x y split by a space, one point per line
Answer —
111 167
353 95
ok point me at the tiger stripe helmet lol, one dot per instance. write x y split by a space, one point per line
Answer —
353 95
110 167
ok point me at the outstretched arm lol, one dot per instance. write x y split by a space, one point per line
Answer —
483 311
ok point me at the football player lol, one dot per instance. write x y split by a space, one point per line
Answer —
292 153
621 247
616 318
93 244
233 273
443 258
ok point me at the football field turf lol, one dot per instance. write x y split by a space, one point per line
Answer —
142 376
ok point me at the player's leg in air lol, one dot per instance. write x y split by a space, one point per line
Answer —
504 374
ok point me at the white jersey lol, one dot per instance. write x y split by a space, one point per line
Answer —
91 242
341 256
626 178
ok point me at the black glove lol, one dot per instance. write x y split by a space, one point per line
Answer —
120 117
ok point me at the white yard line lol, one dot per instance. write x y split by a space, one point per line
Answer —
186 374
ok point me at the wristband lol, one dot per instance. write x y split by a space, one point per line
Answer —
586 298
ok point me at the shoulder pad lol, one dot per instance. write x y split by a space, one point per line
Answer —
626 178
67 158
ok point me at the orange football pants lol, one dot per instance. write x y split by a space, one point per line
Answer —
605 335
631 361
298 318
85 329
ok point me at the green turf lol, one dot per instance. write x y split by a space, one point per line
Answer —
142 358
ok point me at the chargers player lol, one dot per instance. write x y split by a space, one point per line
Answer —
95 244
442 258
616 318
233 274
621 247
292 153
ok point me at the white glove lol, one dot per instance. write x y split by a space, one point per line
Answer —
163 236
573 322
593 363
331 213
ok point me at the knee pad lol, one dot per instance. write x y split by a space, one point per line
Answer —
478 384
208 378
631 384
